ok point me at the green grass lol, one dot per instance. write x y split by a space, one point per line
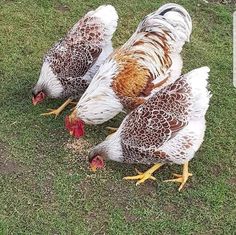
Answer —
45 188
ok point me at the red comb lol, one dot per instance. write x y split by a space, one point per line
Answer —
38 98
74 126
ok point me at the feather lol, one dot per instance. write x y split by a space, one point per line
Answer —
165 128
146 63
71 63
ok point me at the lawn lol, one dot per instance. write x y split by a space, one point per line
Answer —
45 184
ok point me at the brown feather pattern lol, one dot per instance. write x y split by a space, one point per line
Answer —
74 55
155 122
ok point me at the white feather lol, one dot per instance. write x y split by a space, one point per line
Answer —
173 72
99 103
179 18
175 148
108 16
194 132
198 81
111 146
114 152
171 18
48 80
106 51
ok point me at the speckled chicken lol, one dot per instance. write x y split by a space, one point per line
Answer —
71 63
147 62
168 128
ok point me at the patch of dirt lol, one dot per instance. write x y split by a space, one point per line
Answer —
62 7
148 188
216 170
171 208
96 215
108 191
48 188
232 181
78 160
86 187
81 146
130 218
7 165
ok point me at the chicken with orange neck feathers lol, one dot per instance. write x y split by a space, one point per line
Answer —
147 62
168 128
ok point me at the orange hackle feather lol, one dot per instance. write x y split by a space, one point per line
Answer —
133 80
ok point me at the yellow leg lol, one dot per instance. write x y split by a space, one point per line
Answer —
111 129
181 178
57 111
72 116
141 177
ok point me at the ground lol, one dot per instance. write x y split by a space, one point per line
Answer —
45 184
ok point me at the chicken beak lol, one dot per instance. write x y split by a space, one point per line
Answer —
93 168
38 98
73 115
34 101
71 133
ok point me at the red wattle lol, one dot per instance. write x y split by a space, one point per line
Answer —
98 162
75 127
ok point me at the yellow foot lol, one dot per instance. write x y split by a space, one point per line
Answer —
111 129
142 177
73 102
181 178
56 112
72 109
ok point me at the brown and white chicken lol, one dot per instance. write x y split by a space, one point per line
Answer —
147 62
168 128
71 63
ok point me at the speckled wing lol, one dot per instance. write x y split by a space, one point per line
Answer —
73 55
156 121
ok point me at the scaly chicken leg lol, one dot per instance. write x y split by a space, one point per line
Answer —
111 129
181 178
57 111
141 177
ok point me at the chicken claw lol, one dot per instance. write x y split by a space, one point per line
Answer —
57 111
111 129
181 178
142 177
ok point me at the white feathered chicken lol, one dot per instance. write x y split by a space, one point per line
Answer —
168 128
147 62
71 63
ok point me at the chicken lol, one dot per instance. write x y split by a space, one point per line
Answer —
168 128
147 62
71 63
